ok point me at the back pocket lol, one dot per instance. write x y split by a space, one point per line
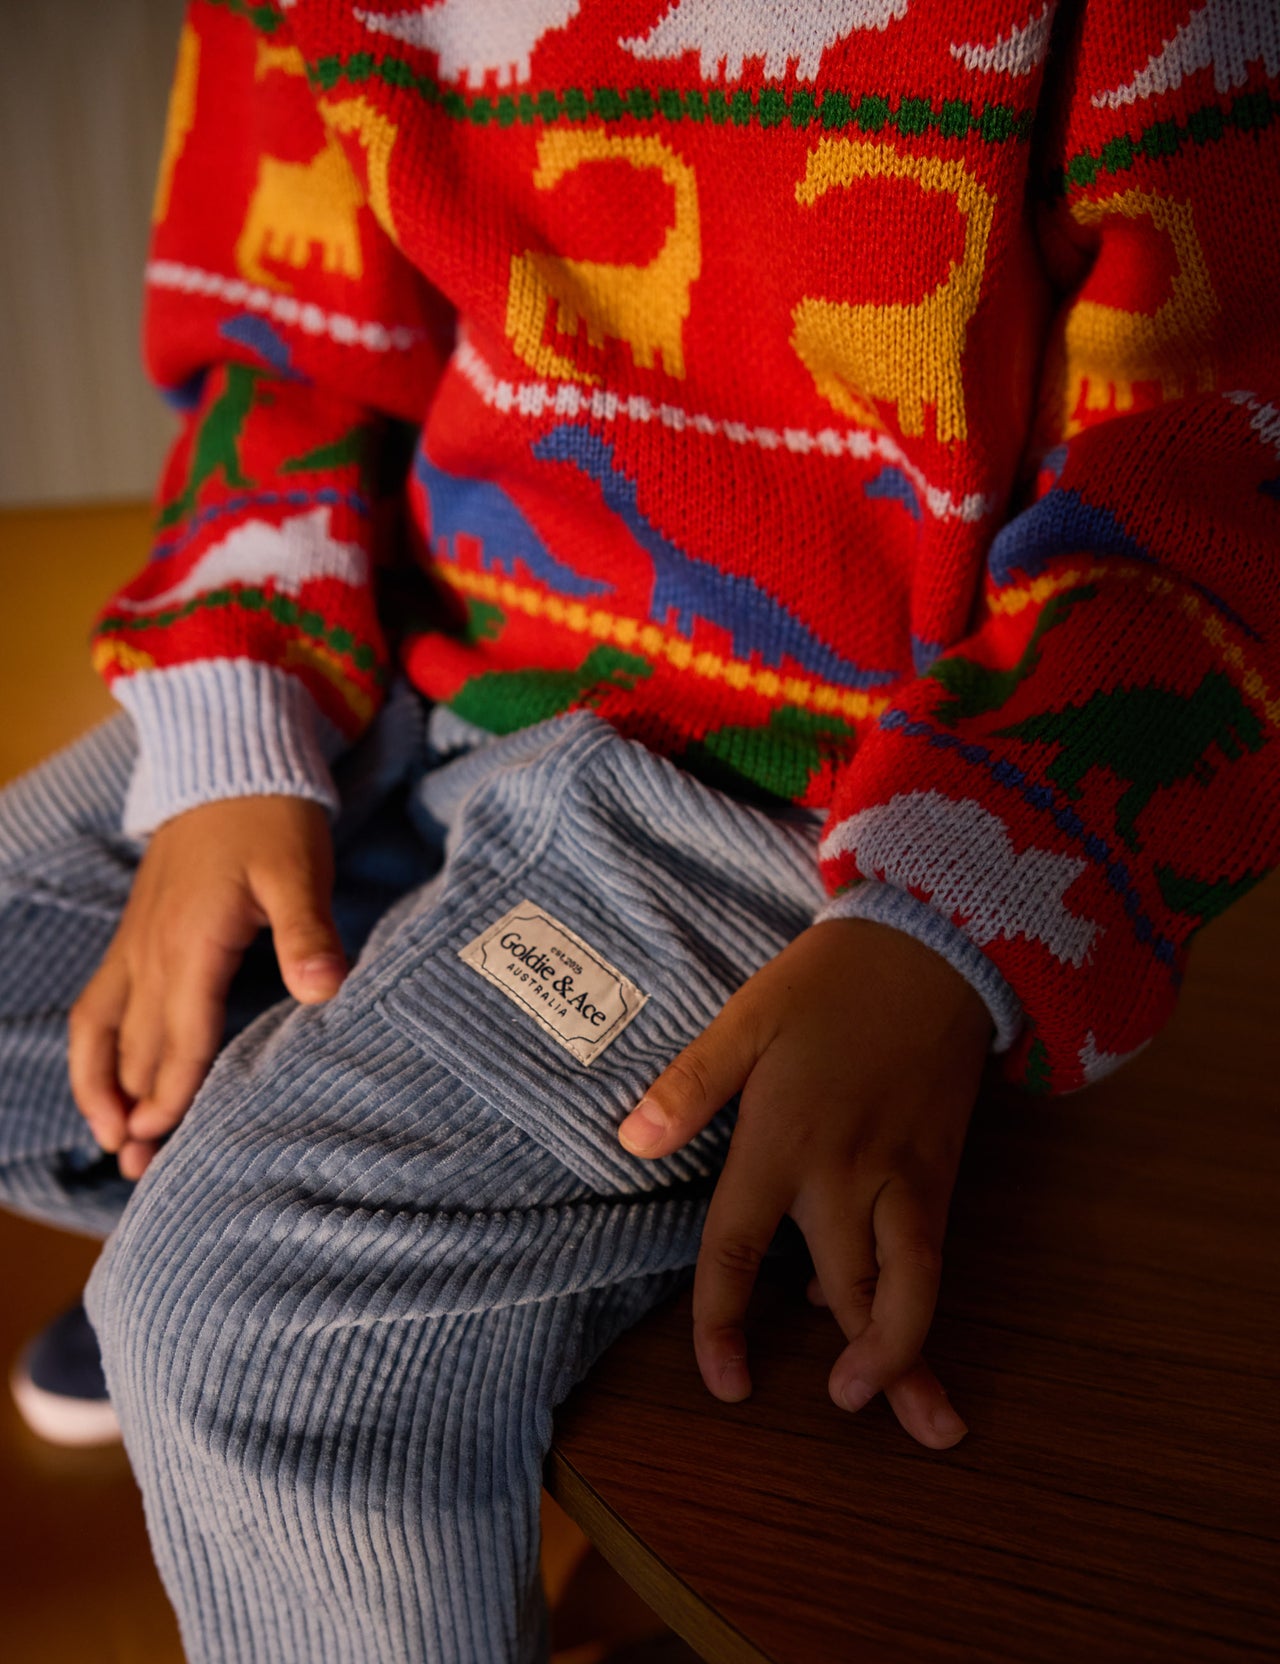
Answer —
597 908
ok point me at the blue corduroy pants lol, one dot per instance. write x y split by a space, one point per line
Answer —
393 1230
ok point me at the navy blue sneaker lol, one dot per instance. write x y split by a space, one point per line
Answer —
59 1387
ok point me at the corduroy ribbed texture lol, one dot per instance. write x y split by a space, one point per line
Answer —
392 1231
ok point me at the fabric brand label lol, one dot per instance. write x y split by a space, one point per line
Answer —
579 999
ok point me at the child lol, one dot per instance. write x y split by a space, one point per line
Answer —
840 442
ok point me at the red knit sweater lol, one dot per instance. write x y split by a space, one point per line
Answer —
873 404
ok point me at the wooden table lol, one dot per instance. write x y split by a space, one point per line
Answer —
1107 1328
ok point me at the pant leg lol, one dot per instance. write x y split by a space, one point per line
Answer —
65 874
66 870
393 1230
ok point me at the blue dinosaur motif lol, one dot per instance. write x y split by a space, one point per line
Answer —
924 653
186 396
1063 523
248 329
893 485
757 623
480 509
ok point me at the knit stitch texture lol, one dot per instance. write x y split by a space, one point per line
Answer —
873 405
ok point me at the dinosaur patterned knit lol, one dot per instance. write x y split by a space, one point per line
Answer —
873 405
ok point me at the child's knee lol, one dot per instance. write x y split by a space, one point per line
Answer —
161 1298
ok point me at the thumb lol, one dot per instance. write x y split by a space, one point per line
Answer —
297 901
693 1086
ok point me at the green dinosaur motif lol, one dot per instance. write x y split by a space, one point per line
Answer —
1037 1076
217 446
774 759
1149 736
976 688
503 700
1202 898
352 450
485 621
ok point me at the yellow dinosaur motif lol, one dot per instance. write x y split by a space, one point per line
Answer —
904 355
297 205
287 59
645 306
1108 348
378 137
179 120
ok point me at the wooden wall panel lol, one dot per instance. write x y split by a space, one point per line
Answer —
83 87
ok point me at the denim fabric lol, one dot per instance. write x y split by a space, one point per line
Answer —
392 1231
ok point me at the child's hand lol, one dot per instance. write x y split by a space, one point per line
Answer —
857 1053
146 1028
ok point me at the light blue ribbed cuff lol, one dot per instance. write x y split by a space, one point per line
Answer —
886 904
223 728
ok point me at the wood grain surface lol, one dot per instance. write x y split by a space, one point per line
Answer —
1108 1329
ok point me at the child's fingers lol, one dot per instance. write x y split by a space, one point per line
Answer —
922 1407
140 1039
136 1155
193 1020
92 1054
905 1296
297 901
916 1395
693 1086
837 1232
744 1214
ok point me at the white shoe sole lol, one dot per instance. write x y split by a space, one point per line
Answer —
76 1422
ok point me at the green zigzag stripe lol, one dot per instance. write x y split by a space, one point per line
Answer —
1249 112
833 109
266 19
282 608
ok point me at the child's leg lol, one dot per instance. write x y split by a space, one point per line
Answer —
65 875
66 870
394 1229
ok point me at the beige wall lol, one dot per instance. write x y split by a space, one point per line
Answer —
82 94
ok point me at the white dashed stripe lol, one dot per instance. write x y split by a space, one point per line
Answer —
286 309
571 399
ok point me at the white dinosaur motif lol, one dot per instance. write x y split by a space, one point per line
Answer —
960 855
471 39
779 31
1266 417
1229 34
1017 53
1097 1064
294 553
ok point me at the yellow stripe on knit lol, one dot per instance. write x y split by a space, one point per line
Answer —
659 644
111 654
1013 601
313 655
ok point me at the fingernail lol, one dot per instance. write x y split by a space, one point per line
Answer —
735 1382
855 1395
321 971
946 1423
644 1129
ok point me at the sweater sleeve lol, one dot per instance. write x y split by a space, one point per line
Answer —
1089 776
292 337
